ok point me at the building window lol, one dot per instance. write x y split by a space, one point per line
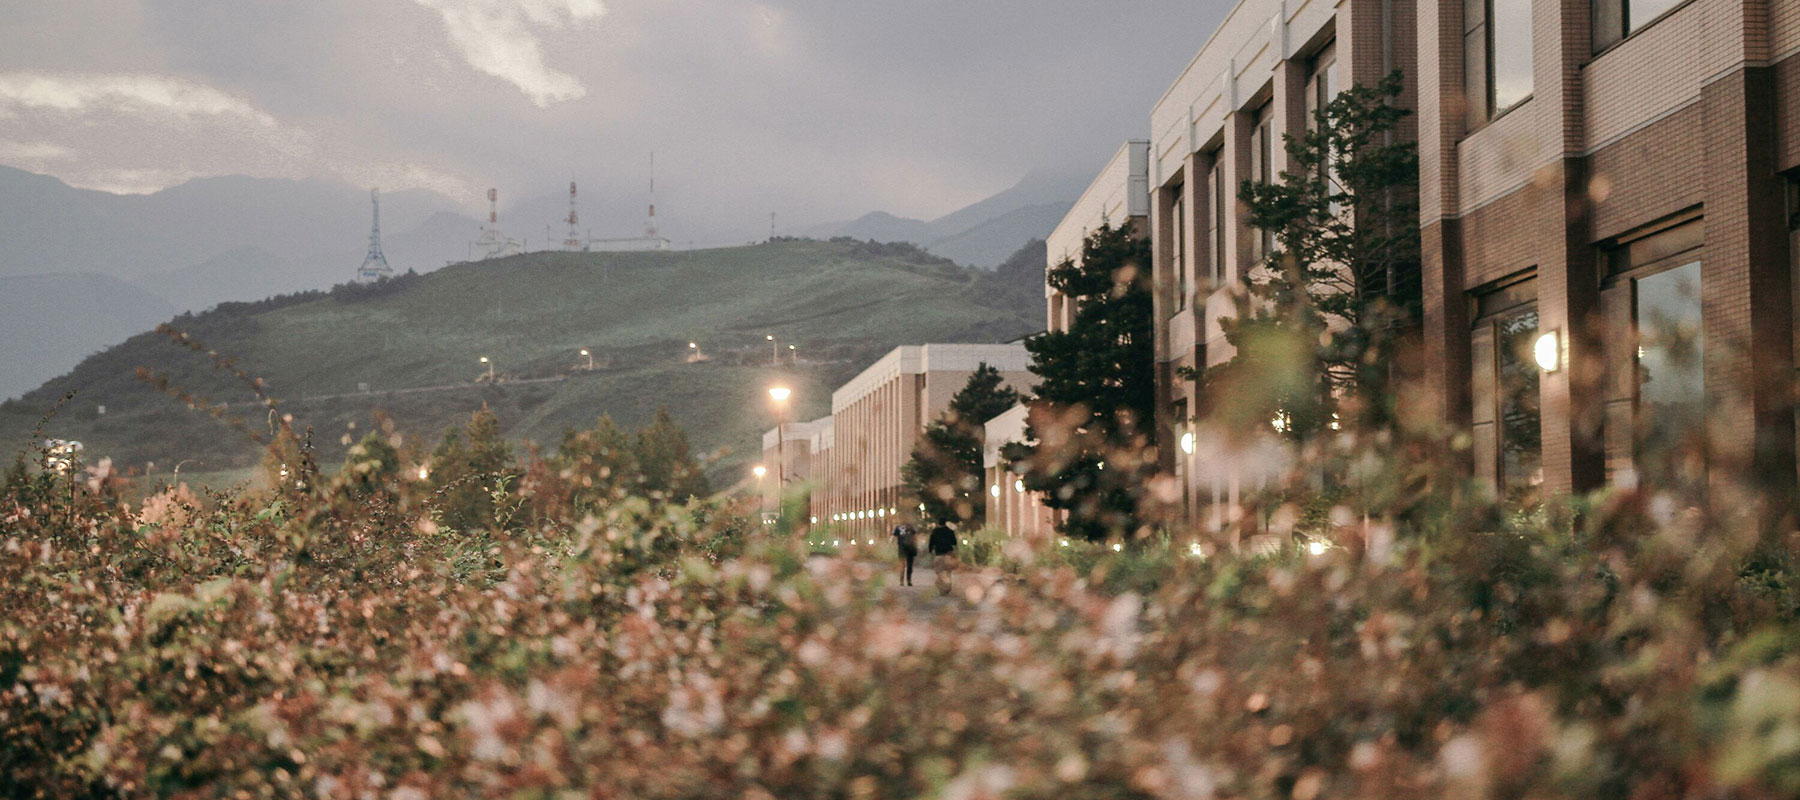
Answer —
1616 19
1496 56
1656 395
1215 224
1184 452
1262 170
1178 255
1321 84
1507 418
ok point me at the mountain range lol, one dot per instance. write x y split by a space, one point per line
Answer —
84 268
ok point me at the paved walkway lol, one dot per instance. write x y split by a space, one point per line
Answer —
931 591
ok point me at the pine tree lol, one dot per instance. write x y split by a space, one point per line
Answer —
600 463
1317 332
1099 386
371 465
945 472
468 466
667 464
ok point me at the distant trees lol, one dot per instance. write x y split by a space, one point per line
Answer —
945 471
665 461
1099 388
599 463
468 468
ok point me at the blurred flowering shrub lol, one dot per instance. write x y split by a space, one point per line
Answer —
343 640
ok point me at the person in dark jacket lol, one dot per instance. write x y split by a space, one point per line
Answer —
907 539
942 542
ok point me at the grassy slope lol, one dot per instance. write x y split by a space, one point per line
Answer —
840 303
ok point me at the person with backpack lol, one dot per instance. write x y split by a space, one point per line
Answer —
941 543
908 541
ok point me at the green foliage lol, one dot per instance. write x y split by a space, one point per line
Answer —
843 304
1094 410
599 463
470 469
371 464
945 473
665 461
1315 335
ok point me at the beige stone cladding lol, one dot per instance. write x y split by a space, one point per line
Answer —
878 415
1259 77
1010 507
1118 195
1662 149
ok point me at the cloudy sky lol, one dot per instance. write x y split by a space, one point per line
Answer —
816 109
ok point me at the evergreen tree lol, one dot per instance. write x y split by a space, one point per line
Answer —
667 464
1316 333
945 472
1099 386
600 463
468 466
371 465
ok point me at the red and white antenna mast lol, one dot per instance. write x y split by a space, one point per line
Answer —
574 241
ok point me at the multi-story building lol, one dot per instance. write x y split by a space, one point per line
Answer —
877 417
1119 195
1261 76
1606 208
1608 204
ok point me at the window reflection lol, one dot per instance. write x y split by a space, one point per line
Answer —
1521 419
1671 378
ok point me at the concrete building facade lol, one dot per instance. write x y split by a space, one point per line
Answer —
877 417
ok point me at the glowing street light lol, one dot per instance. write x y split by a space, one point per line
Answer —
424 472
490 367
793 355
780 395
590 358
774 350
759 471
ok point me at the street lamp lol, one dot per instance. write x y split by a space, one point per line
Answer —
793 355
774 350
490 366
780 395
590 358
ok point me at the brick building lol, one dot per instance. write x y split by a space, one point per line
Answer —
1261 75
1616 194
1608 202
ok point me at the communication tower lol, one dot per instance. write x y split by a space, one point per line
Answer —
575 240
374 266
493 243
650 221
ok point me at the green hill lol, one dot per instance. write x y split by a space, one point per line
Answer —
411 349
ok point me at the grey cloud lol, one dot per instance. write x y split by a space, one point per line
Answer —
815 109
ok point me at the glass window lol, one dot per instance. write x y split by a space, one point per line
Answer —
1178 246
1496 56
1262 168
1671 387
1216 220
1507 415
1614 19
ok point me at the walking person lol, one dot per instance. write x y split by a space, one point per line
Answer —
941 543
908 541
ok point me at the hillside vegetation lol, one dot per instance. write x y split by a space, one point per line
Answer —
411 349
